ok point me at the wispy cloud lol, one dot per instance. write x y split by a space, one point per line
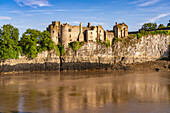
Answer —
143 3
148 3
33 3
55 10
44 24
22 26
156 18
75 22
5 18
98 23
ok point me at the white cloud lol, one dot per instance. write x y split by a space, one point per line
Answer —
152 20
33 3
137 1
75 22
5 18
158 17
148 3
44 24
98 23
55 10
143 3
21 26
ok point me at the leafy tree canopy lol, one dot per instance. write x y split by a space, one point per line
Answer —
59 50
161 26
45 41
34 41
75 45
149 26
9 40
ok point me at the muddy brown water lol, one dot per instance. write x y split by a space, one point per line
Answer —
85 92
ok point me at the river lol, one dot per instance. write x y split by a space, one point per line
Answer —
85 92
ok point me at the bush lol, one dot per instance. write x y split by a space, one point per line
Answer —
105 43
75 45
139 35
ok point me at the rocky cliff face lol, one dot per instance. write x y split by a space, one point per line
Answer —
93 55
128 50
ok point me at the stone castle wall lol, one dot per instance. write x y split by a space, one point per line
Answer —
93 55
65 33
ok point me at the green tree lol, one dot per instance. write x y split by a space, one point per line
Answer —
34 41
168 25
9 42
46 43
30 43
60 52
149 26
75 45
161 26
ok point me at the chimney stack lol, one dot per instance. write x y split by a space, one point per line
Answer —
89 24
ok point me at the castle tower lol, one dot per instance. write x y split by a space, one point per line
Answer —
120 30
65 34
81 35
55 31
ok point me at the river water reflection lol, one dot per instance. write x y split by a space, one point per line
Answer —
85 92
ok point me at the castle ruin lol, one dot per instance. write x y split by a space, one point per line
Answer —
65 33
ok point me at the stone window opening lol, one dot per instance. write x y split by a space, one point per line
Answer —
91 32
53 31
70 36
69 30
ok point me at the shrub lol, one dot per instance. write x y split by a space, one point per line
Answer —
105 43
75 45
139 35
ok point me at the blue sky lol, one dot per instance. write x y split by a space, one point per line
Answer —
38 14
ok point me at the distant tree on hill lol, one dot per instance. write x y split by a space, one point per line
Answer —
168 25
149 26
161 26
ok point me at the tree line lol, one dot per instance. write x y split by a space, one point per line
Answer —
154 26
30 44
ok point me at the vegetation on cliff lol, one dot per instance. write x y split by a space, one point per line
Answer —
105 43
75 45
145 33
60 52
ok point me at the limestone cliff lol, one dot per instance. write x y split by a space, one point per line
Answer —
93 55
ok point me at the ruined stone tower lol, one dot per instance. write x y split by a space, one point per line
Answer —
120 30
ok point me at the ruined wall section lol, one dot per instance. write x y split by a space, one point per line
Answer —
73 32
100 33
55 31
109 36
120 30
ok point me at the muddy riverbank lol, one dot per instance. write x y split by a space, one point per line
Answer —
78 66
